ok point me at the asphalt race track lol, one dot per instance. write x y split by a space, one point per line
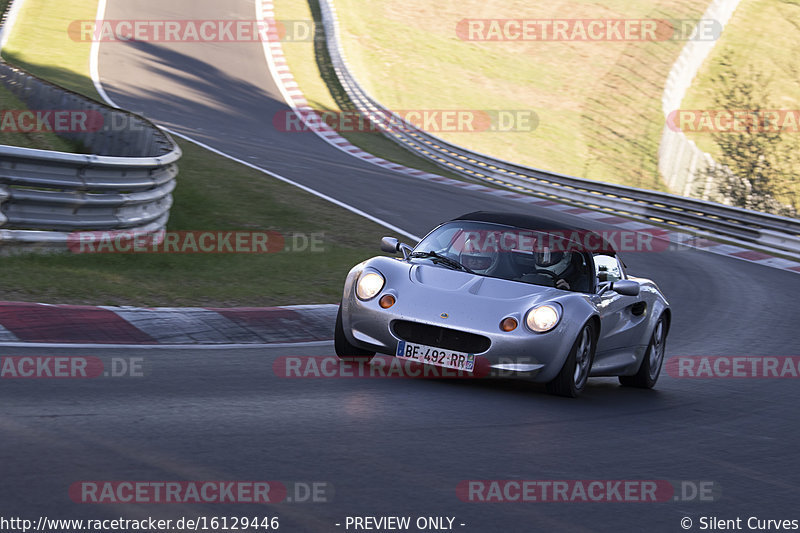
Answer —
398 447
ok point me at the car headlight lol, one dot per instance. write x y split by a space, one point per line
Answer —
369 285
543 318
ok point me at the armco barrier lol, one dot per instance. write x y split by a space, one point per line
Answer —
124 181
680 161
760 230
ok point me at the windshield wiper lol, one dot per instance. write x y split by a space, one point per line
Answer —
436 258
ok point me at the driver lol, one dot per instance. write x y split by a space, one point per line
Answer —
480 261
557 263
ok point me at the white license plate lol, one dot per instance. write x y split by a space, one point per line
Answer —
435 356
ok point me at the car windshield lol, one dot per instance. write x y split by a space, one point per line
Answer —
507 252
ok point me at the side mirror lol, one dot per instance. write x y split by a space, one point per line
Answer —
390 245
625 287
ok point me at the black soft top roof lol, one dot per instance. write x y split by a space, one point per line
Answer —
534 223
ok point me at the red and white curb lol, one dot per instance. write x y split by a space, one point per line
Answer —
265 12
273 50
75 324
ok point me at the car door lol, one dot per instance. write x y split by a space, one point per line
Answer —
619 317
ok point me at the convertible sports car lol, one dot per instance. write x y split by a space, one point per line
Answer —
554 304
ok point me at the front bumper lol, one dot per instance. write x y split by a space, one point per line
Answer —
539 355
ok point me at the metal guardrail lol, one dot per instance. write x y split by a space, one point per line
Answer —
124 182
681 162
760 230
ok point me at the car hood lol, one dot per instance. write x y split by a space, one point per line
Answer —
437 278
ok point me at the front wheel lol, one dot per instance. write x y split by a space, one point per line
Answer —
343 348
575 372
648 372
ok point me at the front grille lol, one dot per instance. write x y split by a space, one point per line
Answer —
449 339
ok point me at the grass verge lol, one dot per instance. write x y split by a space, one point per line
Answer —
213 193
598 103
311 68
9 135
41 45
244 200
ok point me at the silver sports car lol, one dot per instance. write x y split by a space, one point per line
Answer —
552 303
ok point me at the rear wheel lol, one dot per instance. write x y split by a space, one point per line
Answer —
575 372
648 372
343 348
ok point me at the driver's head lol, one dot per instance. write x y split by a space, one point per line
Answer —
480 263
477 260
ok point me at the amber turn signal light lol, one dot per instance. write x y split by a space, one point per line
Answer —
508 324
386 301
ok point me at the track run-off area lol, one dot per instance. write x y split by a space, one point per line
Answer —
400 447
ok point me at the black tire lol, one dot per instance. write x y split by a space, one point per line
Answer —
653 360
572 378
344 349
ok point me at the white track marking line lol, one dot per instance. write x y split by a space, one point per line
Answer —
94 72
